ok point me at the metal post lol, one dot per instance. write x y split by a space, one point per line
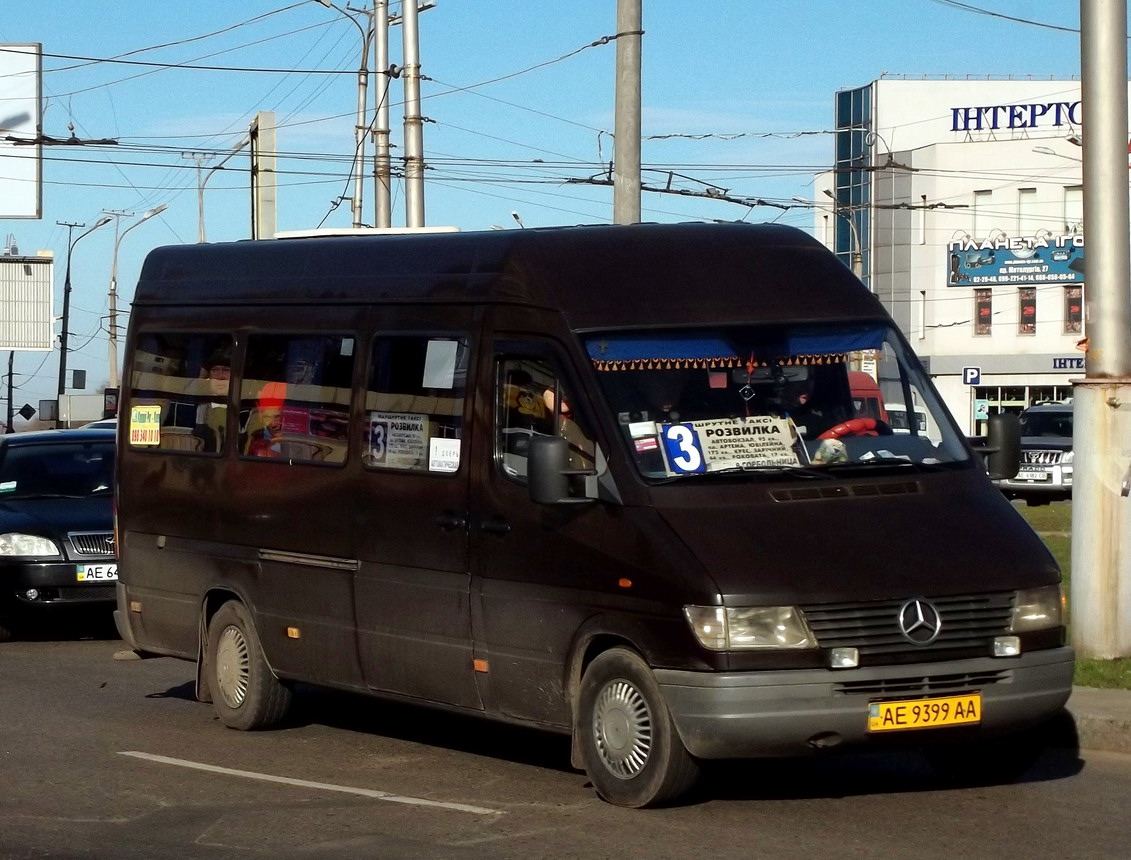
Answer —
413 124
382 193
1101 519
626 127
362 127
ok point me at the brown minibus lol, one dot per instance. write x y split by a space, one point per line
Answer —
607 481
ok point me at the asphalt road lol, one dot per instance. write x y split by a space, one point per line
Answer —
100 758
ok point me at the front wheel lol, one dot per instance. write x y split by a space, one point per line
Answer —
245 692
631 750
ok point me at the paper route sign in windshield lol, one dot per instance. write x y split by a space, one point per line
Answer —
728 443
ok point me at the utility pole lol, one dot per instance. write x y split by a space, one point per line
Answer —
626 128
67 301
413 123
1101 402
11 392
200 158
113 295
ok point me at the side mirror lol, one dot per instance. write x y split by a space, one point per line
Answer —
1003 446
548 471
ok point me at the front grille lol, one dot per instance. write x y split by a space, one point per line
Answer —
1041 458
968 623
92 543
922 685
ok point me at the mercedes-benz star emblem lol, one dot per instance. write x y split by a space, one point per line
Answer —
919 622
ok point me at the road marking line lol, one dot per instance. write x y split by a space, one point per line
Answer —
322 786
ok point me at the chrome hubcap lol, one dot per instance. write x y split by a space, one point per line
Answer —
232 666
622 727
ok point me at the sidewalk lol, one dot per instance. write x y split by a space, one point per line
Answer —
1102 718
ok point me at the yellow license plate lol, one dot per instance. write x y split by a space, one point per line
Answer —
925 713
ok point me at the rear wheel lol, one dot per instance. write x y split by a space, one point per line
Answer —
6 631
245 692
629 744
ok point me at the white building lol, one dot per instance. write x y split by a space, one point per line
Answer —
966 199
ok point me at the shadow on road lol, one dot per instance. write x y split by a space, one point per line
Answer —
67 625
424 725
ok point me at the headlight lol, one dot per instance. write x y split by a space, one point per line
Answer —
1066 458
1037 609
722 628
14 544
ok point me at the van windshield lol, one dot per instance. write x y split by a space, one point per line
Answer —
771 400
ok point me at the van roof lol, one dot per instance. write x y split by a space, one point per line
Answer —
598 276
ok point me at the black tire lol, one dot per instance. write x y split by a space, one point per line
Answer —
631 750
6 631
988 762
245 692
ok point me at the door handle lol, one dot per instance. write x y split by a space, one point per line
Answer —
449 521
495 526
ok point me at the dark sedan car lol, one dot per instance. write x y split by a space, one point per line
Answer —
56 523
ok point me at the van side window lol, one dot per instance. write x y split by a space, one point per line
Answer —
531 400
179 392
295 397
414 403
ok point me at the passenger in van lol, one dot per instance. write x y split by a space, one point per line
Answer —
582 450
267 441
212 417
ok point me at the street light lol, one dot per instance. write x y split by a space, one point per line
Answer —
1048 150
361 126
836 209
101 222
113 297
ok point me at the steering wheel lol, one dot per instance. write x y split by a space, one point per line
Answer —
852 427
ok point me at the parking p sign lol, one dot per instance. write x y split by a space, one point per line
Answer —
972 375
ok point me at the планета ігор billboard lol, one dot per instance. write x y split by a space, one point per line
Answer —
1016 260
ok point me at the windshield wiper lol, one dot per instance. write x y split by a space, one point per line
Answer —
48 496
784 470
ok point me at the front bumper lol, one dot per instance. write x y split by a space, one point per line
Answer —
56 583
789 713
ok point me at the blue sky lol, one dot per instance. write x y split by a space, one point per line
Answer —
737 94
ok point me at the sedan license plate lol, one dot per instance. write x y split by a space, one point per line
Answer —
925 713
96 572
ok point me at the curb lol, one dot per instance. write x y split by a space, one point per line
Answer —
1102 719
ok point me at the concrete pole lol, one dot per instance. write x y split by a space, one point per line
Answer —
264 154
626 127
1101 518
413 124
382 192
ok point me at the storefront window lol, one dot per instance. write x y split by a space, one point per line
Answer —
983 311
1073 310
1027 310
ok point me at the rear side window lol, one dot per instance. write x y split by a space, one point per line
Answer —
295 396
179 392
414 403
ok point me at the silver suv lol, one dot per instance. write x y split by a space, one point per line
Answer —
1046 456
